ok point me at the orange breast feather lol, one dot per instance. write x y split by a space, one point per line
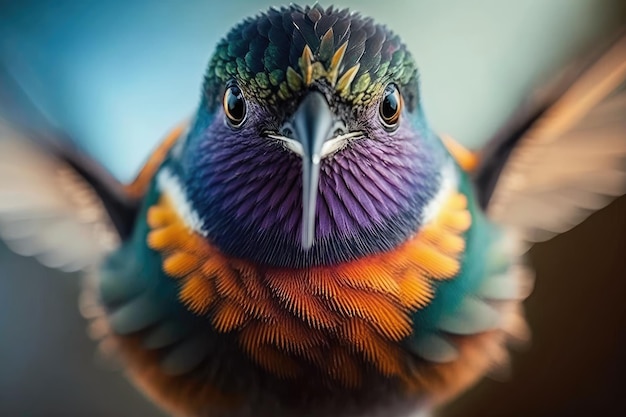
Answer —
334 318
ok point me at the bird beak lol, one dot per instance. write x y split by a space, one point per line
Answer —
313 124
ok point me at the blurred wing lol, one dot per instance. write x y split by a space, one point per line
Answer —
55 203
561 160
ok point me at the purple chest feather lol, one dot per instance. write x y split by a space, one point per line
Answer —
371 197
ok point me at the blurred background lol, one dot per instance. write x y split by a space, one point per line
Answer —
116 75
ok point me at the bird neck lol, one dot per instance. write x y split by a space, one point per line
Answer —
247 201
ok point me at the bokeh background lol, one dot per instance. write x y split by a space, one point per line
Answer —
116 75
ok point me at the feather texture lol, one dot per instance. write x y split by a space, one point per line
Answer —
568 161
286 317
48 210
286 49
61 207
247 191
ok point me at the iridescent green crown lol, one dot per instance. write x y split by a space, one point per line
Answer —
281 52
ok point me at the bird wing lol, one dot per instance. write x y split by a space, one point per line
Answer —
563 155
56 203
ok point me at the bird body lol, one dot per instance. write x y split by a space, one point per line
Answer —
362 336
307 245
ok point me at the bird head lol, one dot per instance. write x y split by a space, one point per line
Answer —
309 146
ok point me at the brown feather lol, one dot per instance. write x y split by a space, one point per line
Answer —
567 160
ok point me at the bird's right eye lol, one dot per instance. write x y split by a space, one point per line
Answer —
234 106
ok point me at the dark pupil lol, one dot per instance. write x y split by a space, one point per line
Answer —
390 105
235 105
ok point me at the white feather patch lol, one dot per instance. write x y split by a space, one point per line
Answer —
169 184
448 184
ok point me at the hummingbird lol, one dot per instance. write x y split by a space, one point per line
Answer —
307 244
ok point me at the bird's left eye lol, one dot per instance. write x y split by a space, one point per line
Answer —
234 106
390 107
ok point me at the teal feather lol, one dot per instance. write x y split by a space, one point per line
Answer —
140 298
434 348
186 355
166 333
450 294
464 305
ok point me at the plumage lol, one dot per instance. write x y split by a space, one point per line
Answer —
569 178
297 250
34 220
312 300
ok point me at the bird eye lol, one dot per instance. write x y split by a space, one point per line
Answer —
390 107
234 105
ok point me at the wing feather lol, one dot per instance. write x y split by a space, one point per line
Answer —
56 203
565 157
49 211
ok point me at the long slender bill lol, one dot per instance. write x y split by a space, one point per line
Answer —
313 123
